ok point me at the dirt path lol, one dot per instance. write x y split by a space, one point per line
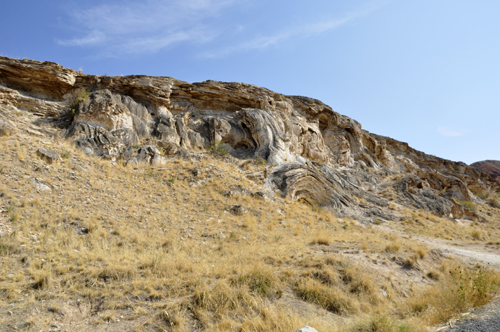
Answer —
467 252
482 319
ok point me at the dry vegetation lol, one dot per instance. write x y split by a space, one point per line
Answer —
87 245
420 222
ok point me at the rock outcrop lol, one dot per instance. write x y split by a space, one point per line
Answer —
491 167
316 154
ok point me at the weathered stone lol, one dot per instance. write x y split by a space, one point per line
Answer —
255 176
39 79
168 148
98 140
6 129
40 185
324 187
237 190
50 156
148 155
237 210
307 329
103 109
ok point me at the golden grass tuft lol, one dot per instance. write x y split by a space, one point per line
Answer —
458 290
327 297
393 246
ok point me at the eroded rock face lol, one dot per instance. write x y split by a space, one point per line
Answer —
98 140
35 78
492 167
304 181
318 155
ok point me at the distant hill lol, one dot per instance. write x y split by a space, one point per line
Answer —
492 167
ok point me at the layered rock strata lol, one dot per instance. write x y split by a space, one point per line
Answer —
315 154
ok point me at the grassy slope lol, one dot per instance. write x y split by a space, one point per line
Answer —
115 248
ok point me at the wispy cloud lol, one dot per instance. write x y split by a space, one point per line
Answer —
451 132
129 27
93 38
133 27
304 31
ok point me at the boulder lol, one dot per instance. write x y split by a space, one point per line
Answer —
50 156
237 210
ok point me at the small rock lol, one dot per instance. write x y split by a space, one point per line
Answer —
159 160
82 231
237 190
169 148
49 156
10 276
237 210
39 185
6 129
264 195
196 171
255 176
307 329
79 168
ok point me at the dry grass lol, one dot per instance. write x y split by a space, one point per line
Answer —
160 248
430 225
393 246
459 290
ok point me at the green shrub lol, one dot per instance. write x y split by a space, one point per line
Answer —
260 161
219 149
469 206
482 196
77 97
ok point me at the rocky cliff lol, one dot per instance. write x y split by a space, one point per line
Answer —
313 153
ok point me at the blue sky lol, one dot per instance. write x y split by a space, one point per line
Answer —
426 72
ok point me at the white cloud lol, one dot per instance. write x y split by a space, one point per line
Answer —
93 38
303 31
145 27
451 132
148 26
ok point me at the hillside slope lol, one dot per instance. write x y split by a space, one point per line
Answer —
149 204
